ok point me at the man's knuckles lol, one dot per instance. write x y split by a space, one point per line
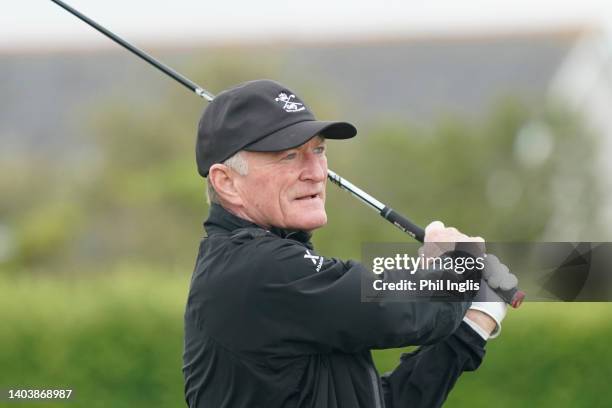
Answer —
436 231
440 239
434 228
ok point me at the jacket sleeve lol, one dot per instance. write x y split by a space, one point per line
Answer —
426 376
305 303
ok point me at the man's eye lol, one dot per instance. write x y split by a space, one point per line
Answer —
319 149
290 156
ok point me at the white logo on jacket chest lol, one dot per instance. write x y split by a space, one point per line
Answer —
316 260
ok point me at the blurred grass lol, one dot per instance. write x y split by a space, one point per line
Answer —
548 355
116 339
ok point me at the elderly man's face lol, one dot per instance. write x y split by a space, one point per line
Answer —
286 189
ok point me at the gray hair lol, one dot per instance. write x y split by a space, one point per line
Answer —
239 164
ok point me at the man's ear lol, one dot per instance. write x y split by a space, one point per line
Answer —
223 181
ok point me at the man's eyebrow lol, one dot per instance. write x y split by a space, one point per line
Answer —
322 141
282 152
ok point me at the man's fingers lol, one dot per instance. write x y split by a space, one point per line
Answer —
434 232
508 282
454 230
440 239
434 226
498 275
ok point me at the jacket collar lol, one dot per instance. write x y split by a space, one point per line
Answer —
221 220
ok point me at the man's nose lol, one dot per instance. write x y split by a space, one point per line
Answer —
315 168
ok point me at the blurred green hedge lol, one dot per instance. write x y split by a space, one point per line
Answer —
116 340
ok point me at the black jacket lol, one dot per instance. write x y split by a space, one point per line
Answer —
271 323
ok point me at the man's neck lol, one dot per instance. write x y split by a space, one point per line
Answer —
302 236
240 212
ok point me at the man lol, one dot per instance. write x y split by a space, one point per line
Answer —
265 326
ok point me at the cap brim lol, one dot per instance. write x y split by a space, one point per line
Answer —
301 132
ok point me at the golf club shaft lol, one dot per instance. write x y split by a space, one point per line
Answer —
513 296
201 92
387 213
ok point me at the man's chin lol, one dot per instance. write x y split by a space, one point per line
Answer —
312 222
315 226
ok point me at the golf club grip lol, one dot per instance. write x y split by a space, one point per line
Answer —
403 223
513 296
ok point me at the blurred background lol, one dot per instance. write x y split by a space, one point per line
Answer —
495 117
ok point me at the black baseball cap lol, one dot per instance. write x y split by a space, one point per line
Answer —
258 116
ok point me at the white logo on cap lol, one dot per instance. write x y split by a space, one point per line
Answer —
289 104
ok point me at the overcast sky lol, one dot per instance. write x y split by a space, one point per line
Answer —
32 24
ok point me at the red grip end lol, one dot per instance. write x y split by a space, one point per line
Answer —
518 298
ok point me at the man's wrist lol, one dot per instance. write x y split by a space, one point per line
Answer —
483 320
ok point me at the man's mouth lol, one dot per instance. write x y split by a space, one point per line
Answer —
309 197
